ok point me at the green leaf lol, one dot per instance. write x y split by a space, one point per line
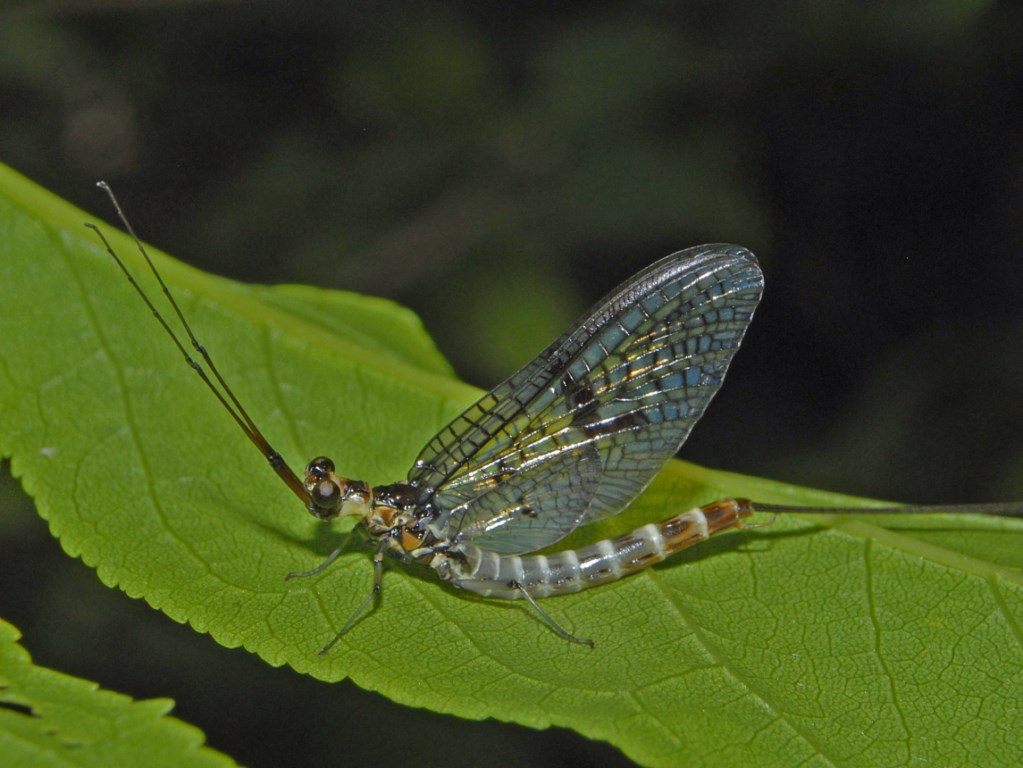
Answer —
47 718
822 641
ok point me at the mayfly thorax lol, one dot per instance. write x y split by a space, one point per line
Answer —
571 438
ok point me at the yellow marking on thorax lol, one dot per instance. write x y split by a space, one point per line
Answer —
411 540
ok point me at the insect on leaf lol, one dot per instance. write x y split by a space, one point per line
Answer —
816 640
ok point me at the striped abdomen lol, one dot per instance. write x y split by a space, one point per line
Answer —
494 575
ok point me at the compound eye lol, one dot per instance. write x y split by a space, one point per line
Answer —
319 468
326 494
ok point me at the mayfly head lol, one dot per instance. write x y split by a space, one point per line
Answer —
334 496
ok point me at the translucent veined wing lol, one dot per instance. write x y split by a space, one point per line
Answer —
631 379
541 504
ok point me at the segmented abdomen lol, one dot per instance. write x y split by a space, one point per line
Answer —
572 570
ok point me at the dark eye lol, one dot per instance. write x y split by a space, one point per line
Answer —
319 467
326 493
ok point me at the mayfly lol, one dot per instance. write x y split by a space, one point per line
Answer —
571 438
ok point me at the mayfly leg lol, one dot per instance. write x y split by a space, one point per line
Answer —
318 569
378 582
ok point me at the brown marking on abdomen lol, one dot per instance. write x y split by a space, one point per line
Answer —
726 513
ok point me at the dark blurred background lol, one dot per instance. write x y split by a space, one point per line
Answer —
498 167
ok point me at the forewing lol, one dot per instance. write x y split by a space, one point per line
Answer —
631 379
540 504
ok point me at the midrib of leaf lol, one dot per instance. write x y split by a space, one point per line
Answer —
866 528
922 549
